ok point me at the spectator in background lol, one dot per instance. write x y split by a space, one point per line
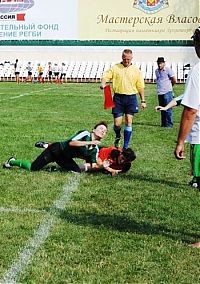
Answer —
29 69
17 71
40 73
127 83
63 73
190 120
165 79
50 72
56 72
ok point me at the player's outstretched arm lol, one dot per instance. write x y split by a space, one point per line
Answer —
171 104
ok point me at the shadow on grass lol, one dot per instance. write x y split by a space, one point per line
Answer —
157 180
148 124
124 224
147 179
154 180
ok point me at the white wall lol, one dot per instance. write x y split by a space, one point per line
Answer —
97 53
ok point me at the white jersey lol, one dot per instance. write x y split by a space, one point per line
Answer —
29 68
17 67
191 99
56 68
63 69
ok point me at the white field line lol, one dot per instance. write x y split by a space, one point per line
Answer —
21 210
41 234
25 94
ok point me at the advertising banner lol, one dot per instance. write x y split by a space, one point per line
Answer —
38 19
151 20
138 20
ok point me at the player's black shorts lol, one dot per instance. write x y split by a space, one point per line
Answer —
54 153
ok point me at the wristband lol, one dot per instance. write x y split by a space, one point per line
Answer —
143 102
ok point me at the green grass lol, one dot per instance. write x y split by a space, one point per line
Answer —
133 228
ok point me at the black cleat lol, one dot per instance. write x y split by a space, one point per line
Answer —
193 183
7 165
41 144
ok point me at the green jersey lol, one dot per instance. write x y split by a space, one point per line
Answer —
88 152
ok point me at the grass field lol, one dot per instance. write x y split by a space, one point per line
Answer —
91 228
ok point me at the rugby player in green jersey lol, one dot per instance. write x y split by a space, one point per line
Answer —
83 145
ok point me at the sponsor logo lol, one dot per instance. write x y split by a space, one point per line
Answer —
150 6
8 8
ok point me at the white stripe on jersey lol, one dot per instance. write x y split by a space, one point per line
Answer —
81 135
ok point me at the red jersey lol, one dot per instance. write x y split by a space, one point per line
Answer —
105 154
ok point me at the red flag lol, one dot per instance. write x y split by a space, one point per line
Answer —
108 101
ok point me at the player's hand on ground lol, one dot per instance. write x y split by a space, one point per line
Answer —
106 164
195 245
94 166
115 172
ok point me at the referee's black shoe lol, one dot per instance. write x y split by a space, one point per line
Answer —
116 143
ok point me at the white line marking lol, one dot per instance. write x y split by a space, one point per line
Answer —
25 94
21 210
41 234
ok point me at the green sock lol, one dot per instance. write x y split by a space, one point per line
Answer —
21 163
